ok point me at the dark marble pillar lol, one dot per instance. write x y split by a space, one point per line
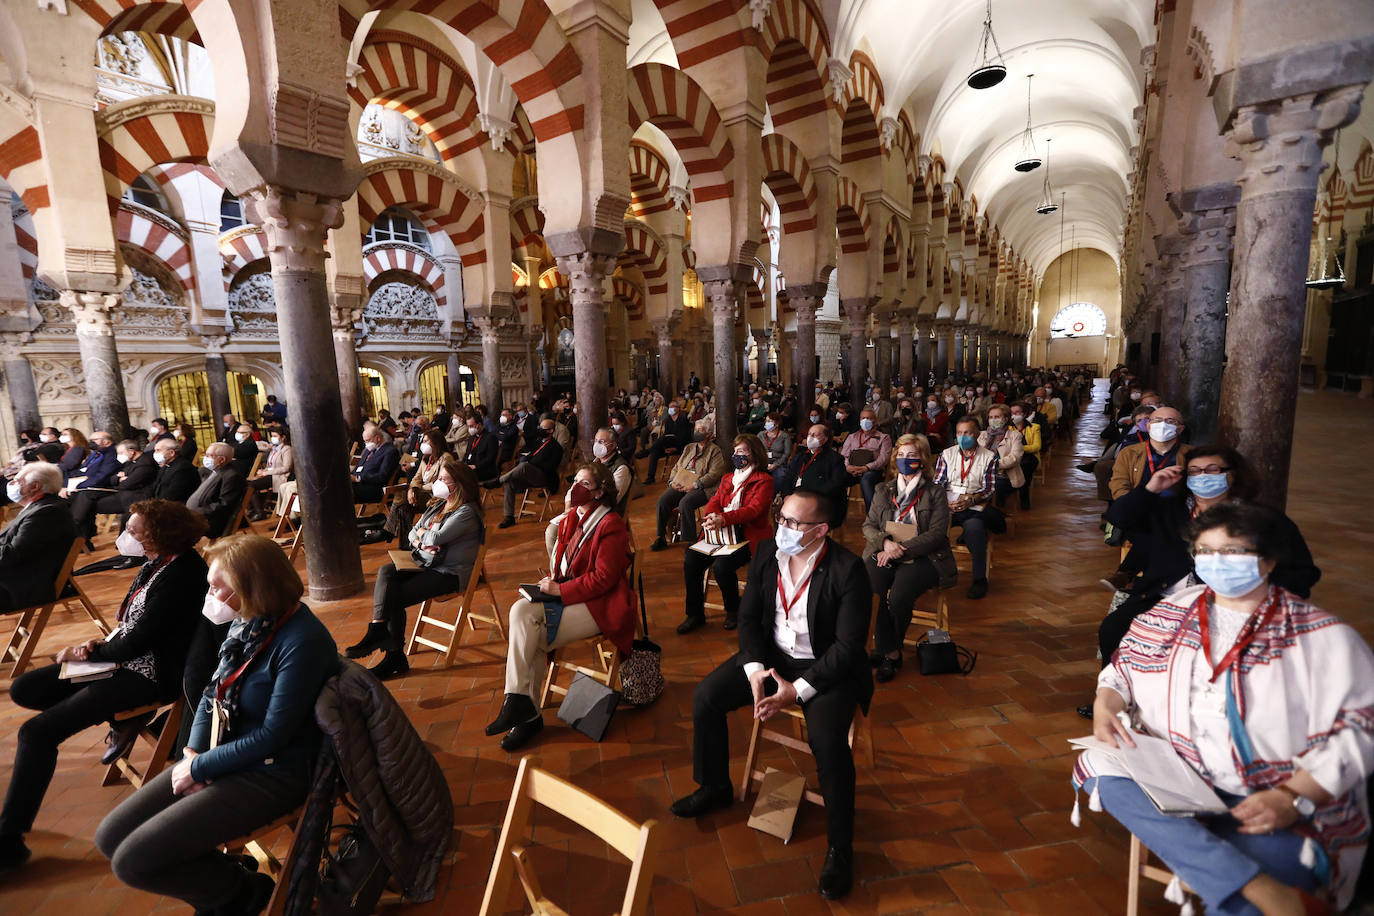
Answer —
806 300
217 381
586 271
856 312
720 293
489 375
93 314
1207 224
19 382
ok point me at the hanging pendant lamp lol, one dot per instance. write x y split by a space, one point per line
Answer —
988 70
1028 162
1047 206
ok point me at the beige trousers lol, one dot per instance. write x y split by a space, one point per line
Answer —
526 664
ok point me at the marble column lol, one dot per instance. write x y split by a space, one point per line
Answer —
720 294
663 334
1207 225
856 313
93 315
1169 293
787 344
217 381
489 375
905 330
455 383
944 349
882 350
1279 145
806 301
19 382
344 317
762 337
957 353
294 227
586 272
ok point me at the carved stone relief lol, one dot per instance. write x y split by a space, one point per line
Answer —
253 308
397 311
57 379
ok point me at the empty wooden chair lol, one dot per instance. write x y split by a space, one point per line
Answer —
30 621
448 645
288 533
545 493
123 769
637 842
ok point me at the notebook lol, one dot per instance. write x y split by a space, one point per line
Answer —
81 672
1175 788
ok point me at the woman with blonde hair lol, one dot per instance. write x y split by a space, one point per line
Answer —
444 545
253 743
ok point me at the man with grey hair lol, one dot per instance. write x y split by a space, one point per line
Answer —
35 544
694 478
220 494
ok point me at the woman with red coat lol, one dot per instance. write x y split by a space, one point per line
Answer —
743 499
588 566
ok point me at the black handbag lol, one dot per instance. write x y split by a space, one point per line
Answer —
641 675
588 706
353 876
936 653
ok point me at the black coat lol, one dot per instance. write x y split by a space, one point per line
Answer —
838 605
245 453
139 477
176 480
378 465
218 497
483 455
546 456
33 548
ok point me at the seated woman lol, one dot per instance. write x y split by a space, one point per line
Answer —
444 542
1006 441
148 648
433 447
274 473
588 566
777 442
77 448
744 498
253 743
1265 697
1030 445
904 564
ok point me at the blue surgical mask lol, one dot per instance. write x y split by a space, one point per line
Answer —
770 425
789 542
1208 486
967 442
1229 575
865 424
740 461
908 466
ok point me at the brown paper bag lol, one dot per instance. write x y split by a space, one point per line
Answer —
775 809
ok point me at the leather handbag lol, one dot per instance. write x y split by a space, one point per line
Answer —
353 876
936 653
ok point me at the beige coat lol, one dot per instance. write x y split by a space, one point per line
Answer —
1008 455
1133 464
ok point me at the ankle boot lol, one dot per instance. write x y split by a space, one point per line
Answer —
372 640
517 708
393 664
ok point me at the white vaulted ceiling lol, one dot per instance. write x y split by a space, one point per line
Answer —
1085 55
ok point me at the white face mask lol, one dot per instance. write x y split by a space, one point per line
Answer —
369 445
770 425
440 490
45 438
128 545
473 431
600 449
505 420
216 611
160 457
276 440
426 448
65 439
209 462
616 427
1162 432
12 491
813 442
122 458
241 437
789 542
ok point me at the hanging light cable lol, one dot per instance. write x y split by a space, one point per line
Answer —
1028 162
1323 280
988 70
1047 206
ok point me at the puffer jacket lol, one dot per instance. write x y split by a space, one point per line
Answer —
403 800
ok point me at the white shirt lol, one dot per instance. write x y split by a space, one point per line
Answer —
791 632
737 480
1207 703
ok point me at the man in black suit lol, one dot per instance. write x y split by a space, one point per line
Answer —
176 476
677 433
35 544
803 625
377 468
817 466
132 482
220 495
245 449
483 452
537 466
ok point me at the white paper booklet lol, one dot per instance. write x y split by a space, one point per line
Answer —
1173 786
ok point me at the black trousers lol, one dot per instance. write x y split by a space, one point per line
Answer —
87 504
366 492
657 450
897 587
726 569
686 504
397 590
1114 626
828 717
65 709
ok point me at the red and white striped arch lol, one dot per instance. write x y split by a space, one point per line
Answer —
703 30
557 300
240 247
643 250
907 143
128 148
865 84
157 240
28 246
797 47
381 258
160 17
671 101
526 224
649 180
21 163
851 216
521 37
894 249
414 76
1361 194
633 296
431 195
788 177
753 291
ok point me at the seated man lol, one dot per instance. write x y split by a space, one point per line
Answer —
219 495
1135 464
134 481
245 449
483 453
34 545
507 437
878 448
605 452
377 467
176 476
968 474
803 627
101 465
694 478
677 434
537 466
817 466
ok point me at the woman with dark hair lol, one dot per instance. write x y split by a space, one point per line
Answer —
588 591
777 442
276 471
433 448
444 545
1267 699
742 503
77 448
147 651
253 744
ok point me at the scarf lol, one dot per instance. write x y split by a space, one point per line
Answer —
245 640
737 481
907 492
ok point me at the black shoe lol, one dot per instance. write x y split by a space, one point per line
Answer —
492 484
1086 711
375 536
978 589
887 669
731 622
521 734
392 665
1086 467
122 737
13 853
837 874
507 521
660 543
370 521
252 897
373 639
703 801
517 708
690 623
642 453
875 659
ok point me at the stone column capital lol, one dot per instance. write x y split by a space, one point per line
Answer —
585 271
1206 237
92 312
12 344
488 326
857 310
344 315
1279 142
762 336
294 224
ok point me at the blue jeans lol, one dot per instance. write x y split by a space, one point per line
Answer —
868 482
1209 854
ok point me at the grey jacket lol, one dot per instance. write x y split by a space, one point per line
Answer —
932 518
458 537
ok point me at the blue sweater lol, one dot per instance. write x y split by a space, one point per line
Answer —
275 726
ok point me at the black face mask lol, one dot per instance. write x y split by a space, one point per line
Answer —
906 411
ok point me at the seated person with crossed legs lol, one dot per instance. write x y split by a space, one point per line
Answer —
802 630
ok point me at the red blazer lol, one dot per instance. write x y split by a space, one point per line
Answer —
753 505
596 576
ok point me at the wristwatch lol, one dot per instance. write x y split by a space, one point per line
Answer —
1306 807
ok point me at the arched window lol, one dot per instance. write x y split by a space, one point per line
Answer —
185 398
396 224
145 193
1080 319
230 212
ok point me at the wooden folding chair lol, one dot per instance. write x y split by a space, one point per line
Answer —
288 533
607 670
123 769
389 491
961 549
258 844
1138 866
1044 465
922 620
547 495
638 842
31 621
424 617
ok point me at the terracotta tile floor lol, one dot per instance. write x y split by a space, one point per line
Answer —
967 810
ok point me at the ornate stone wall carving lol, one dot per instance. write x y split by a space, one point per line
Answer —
58 379
253 308
149 309
398 311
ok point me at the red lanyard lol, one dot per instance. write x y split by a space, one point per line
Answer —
1241 645
223 686
810 458
863 439
965 465
771 439
911 506
128 601
1150 457
476 440
801 588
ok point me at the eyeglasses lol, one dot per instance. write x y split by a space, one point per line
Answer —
1225 552
1210 469
782 521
